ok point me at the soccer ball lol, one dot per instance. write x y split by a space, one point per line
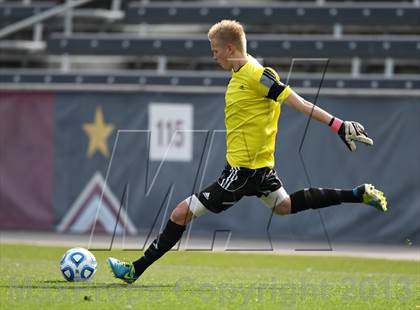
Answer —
78 264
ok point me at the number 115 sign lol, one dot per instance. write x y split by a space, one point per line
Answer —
171 134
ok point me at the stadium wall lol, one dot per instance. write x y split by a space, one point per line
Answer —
63 153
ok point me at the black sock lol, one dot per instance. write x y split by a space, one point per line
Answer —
162 244
316 198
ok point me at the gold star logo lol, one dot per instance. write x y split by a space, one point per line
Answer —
98 133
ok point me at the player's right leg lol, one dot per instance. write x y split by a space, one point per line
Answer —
122 270
180 217
216 198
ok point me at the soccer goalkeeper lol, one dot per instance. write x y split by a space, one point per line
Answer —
253 100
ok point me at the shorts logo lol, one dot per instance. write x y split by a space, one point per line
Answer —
206 195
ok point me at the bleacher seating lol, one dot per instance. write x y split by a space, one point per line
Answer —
259 45
13 11
275 13
263 45
359 38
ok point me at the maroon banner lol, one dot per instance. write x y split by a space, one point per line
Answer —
26 160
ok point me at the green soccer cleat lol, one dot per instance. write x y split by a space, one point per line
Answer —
371 196
122 270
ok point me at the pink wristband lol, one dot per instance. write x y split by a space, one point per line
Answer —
336 124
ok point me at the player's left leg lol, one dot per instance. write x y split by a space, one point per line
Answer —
317 198
371 196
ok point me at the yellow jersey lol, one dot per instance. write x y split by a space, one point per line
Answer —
253 100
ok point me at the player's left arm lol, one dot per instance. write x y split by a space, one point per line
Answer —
349 131
300 104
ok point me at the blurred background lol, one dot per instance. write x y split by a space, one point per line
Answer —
111 112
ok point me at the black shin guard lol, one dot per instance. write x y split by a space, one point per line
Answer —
162 244
316 198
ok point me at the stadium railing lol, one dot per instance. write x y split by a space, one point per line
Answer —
200 81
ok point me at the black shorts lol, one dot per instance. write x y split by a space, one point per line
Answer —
236 182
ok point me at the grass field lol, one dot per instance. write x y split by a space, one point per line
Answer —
30 279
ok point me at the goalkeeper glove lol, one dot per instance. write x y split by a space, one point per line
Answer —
350 132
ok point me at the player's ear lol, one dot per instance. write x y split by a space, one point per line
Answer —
230 48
